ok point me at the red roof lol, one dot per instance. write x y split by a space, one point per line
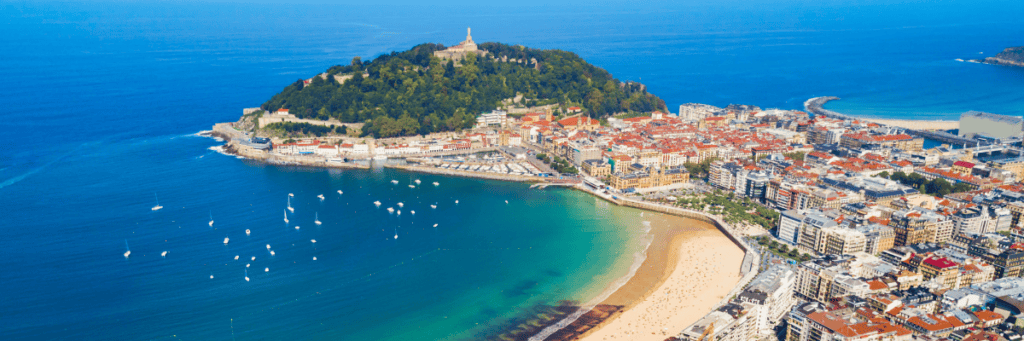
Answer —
964 164
941 263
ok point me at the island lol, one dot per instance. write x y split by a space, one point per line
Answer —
1011 56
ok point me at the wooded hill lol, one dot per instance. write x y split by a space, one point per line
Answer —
413 92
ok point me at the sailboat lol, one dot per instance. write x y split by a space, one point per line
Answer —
290 205
211 218
129 252
246 232
226 240
157 207
246 275
317 219
321 196
285 217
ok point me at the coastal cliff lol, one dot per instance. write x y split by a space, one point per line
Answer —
1012 56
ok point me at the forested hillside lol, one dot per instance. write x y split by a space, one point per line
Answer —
413 92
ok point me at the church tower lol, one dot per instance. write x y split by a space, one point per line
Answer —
468 45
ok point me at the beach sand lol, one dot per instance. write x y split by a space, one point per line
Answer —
917 124
690 267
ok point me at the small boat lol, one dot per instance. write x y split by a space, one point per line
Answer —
247 265
226 240
435 225
959 60
252 259
317 219
247 274
272 252
266 269
396 233
394 182
391 210
290 205
157 207
247 232
411 186
433 206
376 203
321 196
436 184
506 202
291 194
211 219
417 181
456 202
400 205
412 212
285 217
236 257
268 246
129 252
314 257
163 254
399 212
340 192
211 276
312 241
296 227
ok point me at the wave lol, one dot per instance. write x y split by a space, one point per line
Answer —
638 260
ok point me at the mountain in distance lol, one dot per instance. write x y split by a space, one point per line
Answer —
1011 56
417 92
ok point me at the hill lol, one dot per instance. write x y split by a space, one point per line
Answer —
1012 56
414 92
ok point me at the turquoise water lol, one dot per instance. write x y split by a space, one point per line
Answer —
101 99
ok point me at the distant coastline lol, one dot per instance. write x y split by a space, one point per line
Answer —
1011 56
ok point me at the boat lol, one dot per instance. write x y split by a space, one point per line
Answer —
435 225
157 207
290 205
399 212
433 206
417 181
376 203
959 60
211 219
291 194
436 184
506 202
412 212
129 252
271 252
456 202
396 233
236 257
411 186
246 273
321 196
211 276
312 241
391 210
400 205
247 265
314 257
285 217
340 192
296 227
163 254
394 182
253 258
268 246
226 240
266 269
246 232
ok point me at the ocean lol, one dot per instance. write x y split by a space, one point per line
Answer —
102 101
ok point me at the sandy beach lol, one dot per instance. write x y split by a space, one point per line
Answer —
690 267
917 124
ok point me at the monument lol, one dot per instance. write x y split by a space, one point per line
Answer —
458 52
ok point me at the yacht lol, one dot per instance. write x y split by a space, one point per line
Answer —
157 207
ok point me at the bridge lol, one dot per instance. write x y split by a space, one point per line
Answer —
992 148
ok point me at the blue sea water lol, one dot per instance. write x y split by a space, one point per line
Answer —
100 101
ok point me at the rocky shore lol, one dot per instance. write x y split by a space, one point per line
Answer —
1012 56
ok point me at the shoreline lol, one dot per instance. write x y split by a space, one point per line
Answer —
816 106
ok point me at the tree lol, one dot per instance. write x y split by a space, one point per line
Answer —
939 187
883 174
961 187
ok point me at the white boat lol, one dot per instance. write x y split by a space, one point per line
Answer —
417 181
412 212
157 207
290 205
321 196
376 203
246 232
268 246
291 194
211 219
312 241
226 240
435 225
247 274
211 276
314 257
396 233
340 192
266 269
163 254
436 184
959 60
253 258
286 217
433 206
236 257
411 186
399 212
247 265
400 205
296 227
394 182
271 252
129 252
391 210
456 202
317 219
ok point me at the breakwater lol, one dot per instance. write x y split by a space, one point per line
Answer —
481 175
